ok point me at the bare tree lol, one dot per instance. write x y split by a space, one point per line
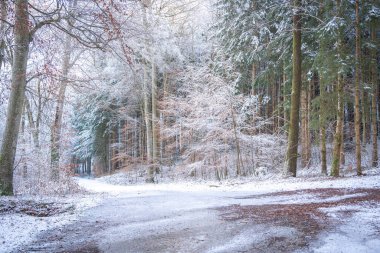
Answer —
86 33
57 124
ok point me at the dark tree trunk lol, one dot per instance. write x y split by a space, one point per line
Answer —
375 84
357 91
338 138
16 100
292 152
322 123
305 130
101 152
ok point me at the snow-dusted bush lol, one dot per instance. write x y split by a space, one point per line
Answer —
32 176
214 128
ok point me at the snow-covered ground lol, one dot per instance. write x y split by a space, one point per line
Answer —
359 233
108 185
19 229
156 208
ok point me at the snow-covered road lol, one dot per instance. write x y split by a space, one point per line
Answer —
336 216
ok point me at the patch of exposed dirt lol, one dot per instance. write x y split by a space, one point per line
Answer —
87 248
33 208
307 218
73 238
320 193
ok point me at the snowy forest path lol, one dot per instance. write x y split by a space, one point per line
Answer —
221 220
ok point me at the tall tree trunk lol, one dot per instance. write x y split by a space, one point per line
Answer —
253 93
17 95
23 149
101 152
39 108
163 118
305 131
280 105
365 116
322 124
253 77
56 128
342 155
32 124
148 114
148 125
155 148
239 162
135 141
292 152
338 138
285 99
269 105
357 91
155 124
274 104
375 86
309 97
142 138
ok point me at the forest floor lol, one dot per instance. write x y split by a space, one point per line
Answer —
278 215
